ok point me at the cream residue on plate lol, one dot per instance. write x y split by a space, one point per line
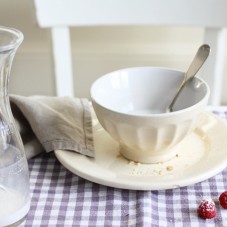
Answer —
190 151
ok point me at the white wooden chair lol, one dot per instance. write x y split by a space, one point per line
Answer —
60 15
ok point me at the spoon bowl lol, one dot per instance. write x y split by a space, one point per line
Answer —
199 59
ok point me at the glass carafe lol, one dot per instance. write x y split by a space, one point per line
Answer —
14 176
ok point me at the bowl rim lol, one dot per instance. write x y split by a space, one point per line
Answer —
159 115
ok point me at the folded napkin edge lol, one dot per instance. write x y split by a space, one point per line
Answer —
67 145
88 127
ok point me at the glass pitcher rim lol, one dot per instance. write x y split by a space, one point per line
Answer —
18 40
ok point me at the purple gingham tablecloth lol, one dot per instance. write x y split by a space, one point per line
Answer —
60 198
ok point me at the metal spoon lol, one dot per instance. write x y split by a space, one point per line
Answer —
199 59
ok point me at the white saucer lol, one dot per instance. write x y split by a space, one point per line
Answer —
202 154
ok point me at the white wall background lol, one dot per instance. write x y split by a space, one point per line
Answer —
96 51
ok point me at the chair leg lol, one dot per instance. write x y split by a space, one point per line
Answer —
212 72
61 45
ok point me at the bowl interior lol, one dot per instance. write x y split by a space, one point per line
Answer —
146 90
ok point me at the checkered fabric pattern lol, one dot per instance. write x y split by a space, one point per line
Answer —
60 198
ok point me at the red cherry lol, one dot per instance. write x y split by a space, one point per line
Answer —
207 209
223 199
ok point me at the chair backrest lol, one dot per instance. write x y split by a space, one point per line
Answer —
60 15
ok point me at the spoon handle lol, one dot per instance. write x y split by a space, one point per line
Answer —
199 59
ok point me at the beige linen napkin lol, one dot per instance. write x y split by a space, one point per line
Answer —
50 123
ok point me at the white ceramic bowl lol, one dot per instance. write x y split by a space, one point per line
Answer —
130 104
